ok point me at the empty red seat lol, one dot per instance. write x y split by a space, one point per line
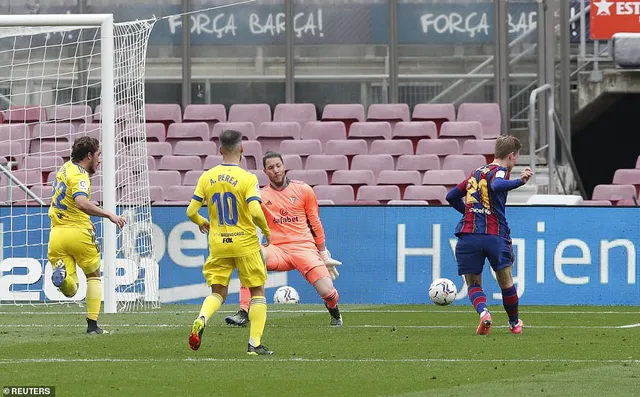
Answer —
628 203
484 147
25 114
347 147
16 133
356 178
20 197
95 131
123 113
155 132
212 161
391 112
131 195
191 148
165 179
62 131
310 177
324 131
272 133
435 112
461 131
415 131
430 194
252 152
336 193
400 178
370 131
325 202
180 194
180 163
597 203
263 179
347 114
638 163
208 113
394 147
198 131
408 202
303 148
327 162
447 178
191 177
56 148
374 162
627 177
165 113
614 193
42 163
382 194
418 162
75 114
246 128
291 162
29 177
300 113
254 113
439 147
158 149
486 113
465 162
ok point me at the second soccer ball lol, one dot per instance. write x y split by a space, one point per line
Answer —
443 291
286 294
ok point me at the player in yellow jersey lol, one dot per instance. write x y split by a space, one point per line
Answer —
72 239
232 196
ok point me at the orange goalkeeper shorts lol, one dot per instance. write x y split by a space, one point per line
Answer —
303 257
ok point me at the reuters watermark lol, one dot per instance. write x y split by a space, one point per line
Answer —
28 391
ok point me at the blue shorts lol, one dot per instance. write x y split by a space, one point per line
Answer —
473 249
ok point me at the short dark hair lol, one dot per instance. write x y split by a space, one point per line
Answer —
82 147
230 140
506 144
270 155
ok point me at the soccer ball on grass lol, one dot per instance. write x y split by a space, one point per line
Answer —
442 291
286 295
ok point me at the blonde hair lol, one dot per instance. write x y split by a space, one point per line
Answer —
506 144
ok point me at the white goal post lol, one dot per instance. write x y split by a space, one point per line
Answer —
53 63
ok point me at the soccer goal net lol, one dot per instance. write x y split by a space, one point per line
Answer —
63 77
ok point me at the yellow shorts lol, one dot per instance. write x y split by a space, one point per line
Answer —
252 270
74 245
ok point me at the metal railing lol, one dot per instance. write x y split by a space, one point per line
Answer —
549 91
24 187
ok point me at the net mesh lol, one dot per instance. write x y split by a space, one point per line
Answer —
50 88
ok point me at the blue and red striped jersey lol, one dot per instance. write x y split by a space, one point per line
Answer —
484 210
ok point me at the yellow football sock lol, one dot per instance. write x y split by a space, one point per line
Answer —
210 305
258 319
94 297
69 286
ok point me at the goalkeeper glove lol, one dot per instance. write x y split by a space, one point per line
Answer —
330 263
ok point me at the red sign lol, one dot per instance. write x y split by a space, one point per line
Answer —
614 16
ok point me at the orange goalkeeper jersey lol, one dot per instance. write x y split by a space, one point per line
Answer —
292 213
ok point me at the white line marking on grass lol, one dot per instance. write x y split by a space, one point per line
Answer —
308 360
629 326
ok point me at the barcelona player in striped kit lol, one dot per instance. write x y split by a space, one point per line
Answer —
483 232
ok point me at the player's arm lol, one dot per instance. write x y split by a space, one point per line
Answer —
253 199
193 210
80 194
312 212
500 184
455 196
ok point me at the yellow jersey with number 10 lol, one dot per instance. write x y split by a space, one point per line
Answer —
226 190
71 181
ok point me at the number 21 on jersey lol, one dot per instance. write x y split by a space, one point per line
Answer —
227 206
474 187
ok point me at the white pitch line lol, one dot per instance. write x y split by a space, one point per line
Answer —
470 310
309 360
319 326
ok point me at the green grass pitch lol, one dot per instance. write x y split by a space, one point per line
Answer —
382 350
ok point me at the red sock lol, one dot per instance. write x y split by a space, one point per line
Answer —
245 298
331 298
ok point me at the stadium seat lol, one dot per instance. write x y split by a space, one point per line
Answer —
347 147
302 148
95 131
628 177
190 178
415 131
437 113
407 202
165 113
484 147
75 114
263 179
156 193
43 163
151 163
374 162
327 162
418 162
166 179
390 112
56 148
347 114
29 177
25 115
158 149
362 202
310 177
180 194
212 161
597 203
486 113
187 132
180 163
614 193
291 162
272 133
324 131
395 148
123 113
638 163
300 113
448 178
245 127
402 179
431 194
252 152
208 113
16 133
370 131
461 131
155 131
628 203
465 162
253 113
130 195
50 132
326 202
355 178
382 194
20 197
336 193
439 147
190 148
